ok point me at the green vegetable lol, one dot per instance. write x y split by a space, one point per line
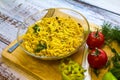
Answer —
116 58
71 70
112 33
116 63
41 46
116 71
109 76
65 77
36 28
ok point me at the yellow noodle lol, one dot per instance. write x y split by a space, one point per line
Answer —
61 36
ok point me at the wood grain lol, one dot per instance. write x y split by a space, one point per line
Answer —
40 69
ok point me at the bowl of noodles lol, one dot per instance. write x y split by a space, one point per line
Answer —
54 33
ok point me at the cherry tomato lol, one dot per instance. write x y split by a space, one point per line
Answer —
97 58
95 39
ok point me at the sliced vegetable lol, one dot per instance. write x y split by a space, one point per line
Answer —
71 70
109 76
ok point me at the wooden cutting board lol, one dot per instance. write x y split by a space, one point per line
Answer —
40 69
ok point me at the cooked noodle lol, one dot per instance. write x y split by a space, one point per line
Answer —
54 36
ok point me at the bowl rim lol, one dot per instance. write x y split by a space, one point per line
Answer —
53 57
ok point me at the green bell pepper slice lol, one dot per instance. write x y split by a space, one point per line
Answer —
109 76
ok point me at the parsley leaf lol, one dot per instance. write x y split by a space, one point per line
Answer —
36 28
40 47
111 32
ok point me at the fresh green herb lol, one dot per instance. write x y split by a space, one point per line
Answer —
36 28
40 47
116 72
115 61
116 58
108 64
112 33
96 71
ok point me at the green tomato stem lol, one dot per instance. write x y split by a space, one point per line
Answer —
97 52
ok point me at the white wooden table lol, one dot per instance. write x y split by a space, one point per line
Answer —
13 12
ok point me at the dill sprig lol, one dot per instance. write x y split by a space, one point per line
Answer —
111 32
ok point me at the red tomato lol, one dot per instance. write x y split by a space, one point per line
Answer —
95 39
97 58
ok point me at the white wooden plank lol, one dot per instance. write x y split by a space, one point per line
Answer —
94 14
10 73
2 46
111 5
31 6
12 12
